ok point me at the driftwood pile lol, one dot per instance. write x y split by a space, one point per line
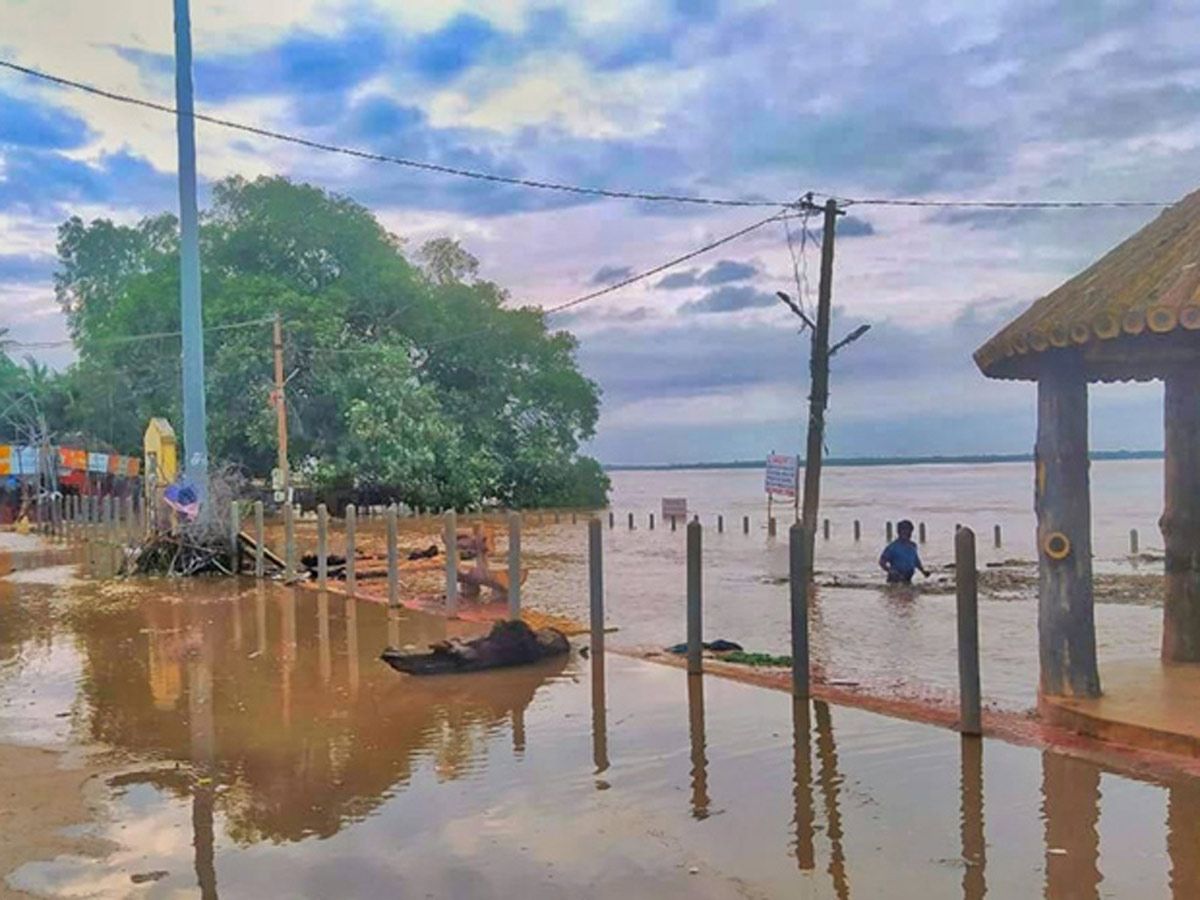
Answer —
178 554
179 546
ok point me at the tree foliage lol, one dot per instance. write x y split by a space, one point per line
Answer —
411 375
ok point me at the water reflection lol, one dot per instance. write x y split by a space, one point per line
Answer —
1071 809
599 714
831 781
258 729
202 734
699 748
281 747
1183 839
802 795
974 845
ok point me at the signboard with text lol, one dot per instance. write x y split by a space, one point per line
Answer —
781 477
674 507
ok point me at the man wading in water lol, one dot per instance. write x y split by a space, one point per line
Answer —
900 558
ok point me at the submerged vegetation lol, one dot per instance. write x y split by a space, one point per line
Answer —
405 369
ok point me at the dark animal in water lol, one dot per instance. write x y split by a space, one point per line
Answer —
507 644
428 553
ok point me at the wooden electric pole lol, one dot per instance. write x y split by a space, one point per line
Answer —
281 412
818 398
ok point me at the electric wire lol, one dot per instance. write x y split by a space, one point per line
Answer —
439 168
561 187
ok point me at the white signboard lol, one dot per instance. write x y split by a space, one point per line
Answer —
97 462
674 506
782 475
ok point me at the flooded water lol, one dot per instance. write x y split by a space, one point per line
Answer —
256 747
885 641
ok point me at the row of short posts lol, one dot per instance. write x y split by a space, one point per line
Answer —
391 516
105 524
800 582
827 528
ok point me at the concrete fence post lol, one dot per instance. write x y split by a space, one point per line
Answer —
695 621
921 532
997 537
825 529
745 524
451 538
393 558
672 523
260 567
720 524
235 530
351 550
798 581
857 531
322 546
289 542
966 579
1133 542
514 566
596 586
631 521
651 521
771 527
890 532
611 519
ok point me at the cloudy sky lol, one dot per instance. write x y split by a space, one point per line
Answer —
730 98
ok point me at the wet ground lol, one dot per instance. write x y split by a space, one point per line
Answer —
246 742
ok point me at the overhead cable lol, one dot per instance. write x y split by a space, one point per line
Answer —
537 184
386 158
128 338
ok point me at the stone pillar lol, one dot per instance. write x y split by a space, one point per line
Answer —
1180 521
1066 625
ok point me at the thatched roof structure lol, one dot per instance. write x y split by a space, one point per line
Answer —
1133 315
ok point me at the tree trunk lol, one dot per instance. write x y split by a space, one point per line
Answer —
1180 521
1066 627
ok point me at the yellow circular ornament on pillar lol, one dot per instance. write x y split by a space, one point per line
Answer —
1057 545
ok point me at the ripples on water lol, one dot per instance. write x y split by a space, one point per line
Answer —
262 750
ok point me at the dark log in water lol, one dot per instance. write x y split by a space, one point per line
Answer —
507 644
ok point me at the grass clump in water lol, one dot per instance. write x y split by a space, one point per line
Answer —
758 660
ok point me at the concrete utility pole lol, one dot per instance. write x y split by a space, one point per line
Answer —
818 398
195 439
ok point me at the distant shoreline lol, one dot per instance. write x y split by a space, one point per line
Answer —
862 461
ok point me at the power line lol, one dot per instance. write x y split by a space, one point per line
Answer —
577 301
382 157
536 184
1005 204
640 276
129 338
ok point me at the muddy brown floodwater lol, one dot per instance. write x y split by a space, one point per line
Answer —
243 740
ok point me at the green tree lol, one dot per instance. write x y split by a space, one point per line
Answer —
419 377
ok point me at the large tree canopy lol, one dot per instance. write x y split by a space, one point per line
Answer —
412 376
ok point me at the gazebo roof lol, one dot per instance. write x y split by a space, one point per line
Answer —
1132 315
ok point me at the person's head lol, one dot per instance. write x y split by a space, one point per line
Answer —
904 528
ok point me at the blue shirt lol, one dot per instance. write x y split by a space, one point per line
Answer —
901 557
